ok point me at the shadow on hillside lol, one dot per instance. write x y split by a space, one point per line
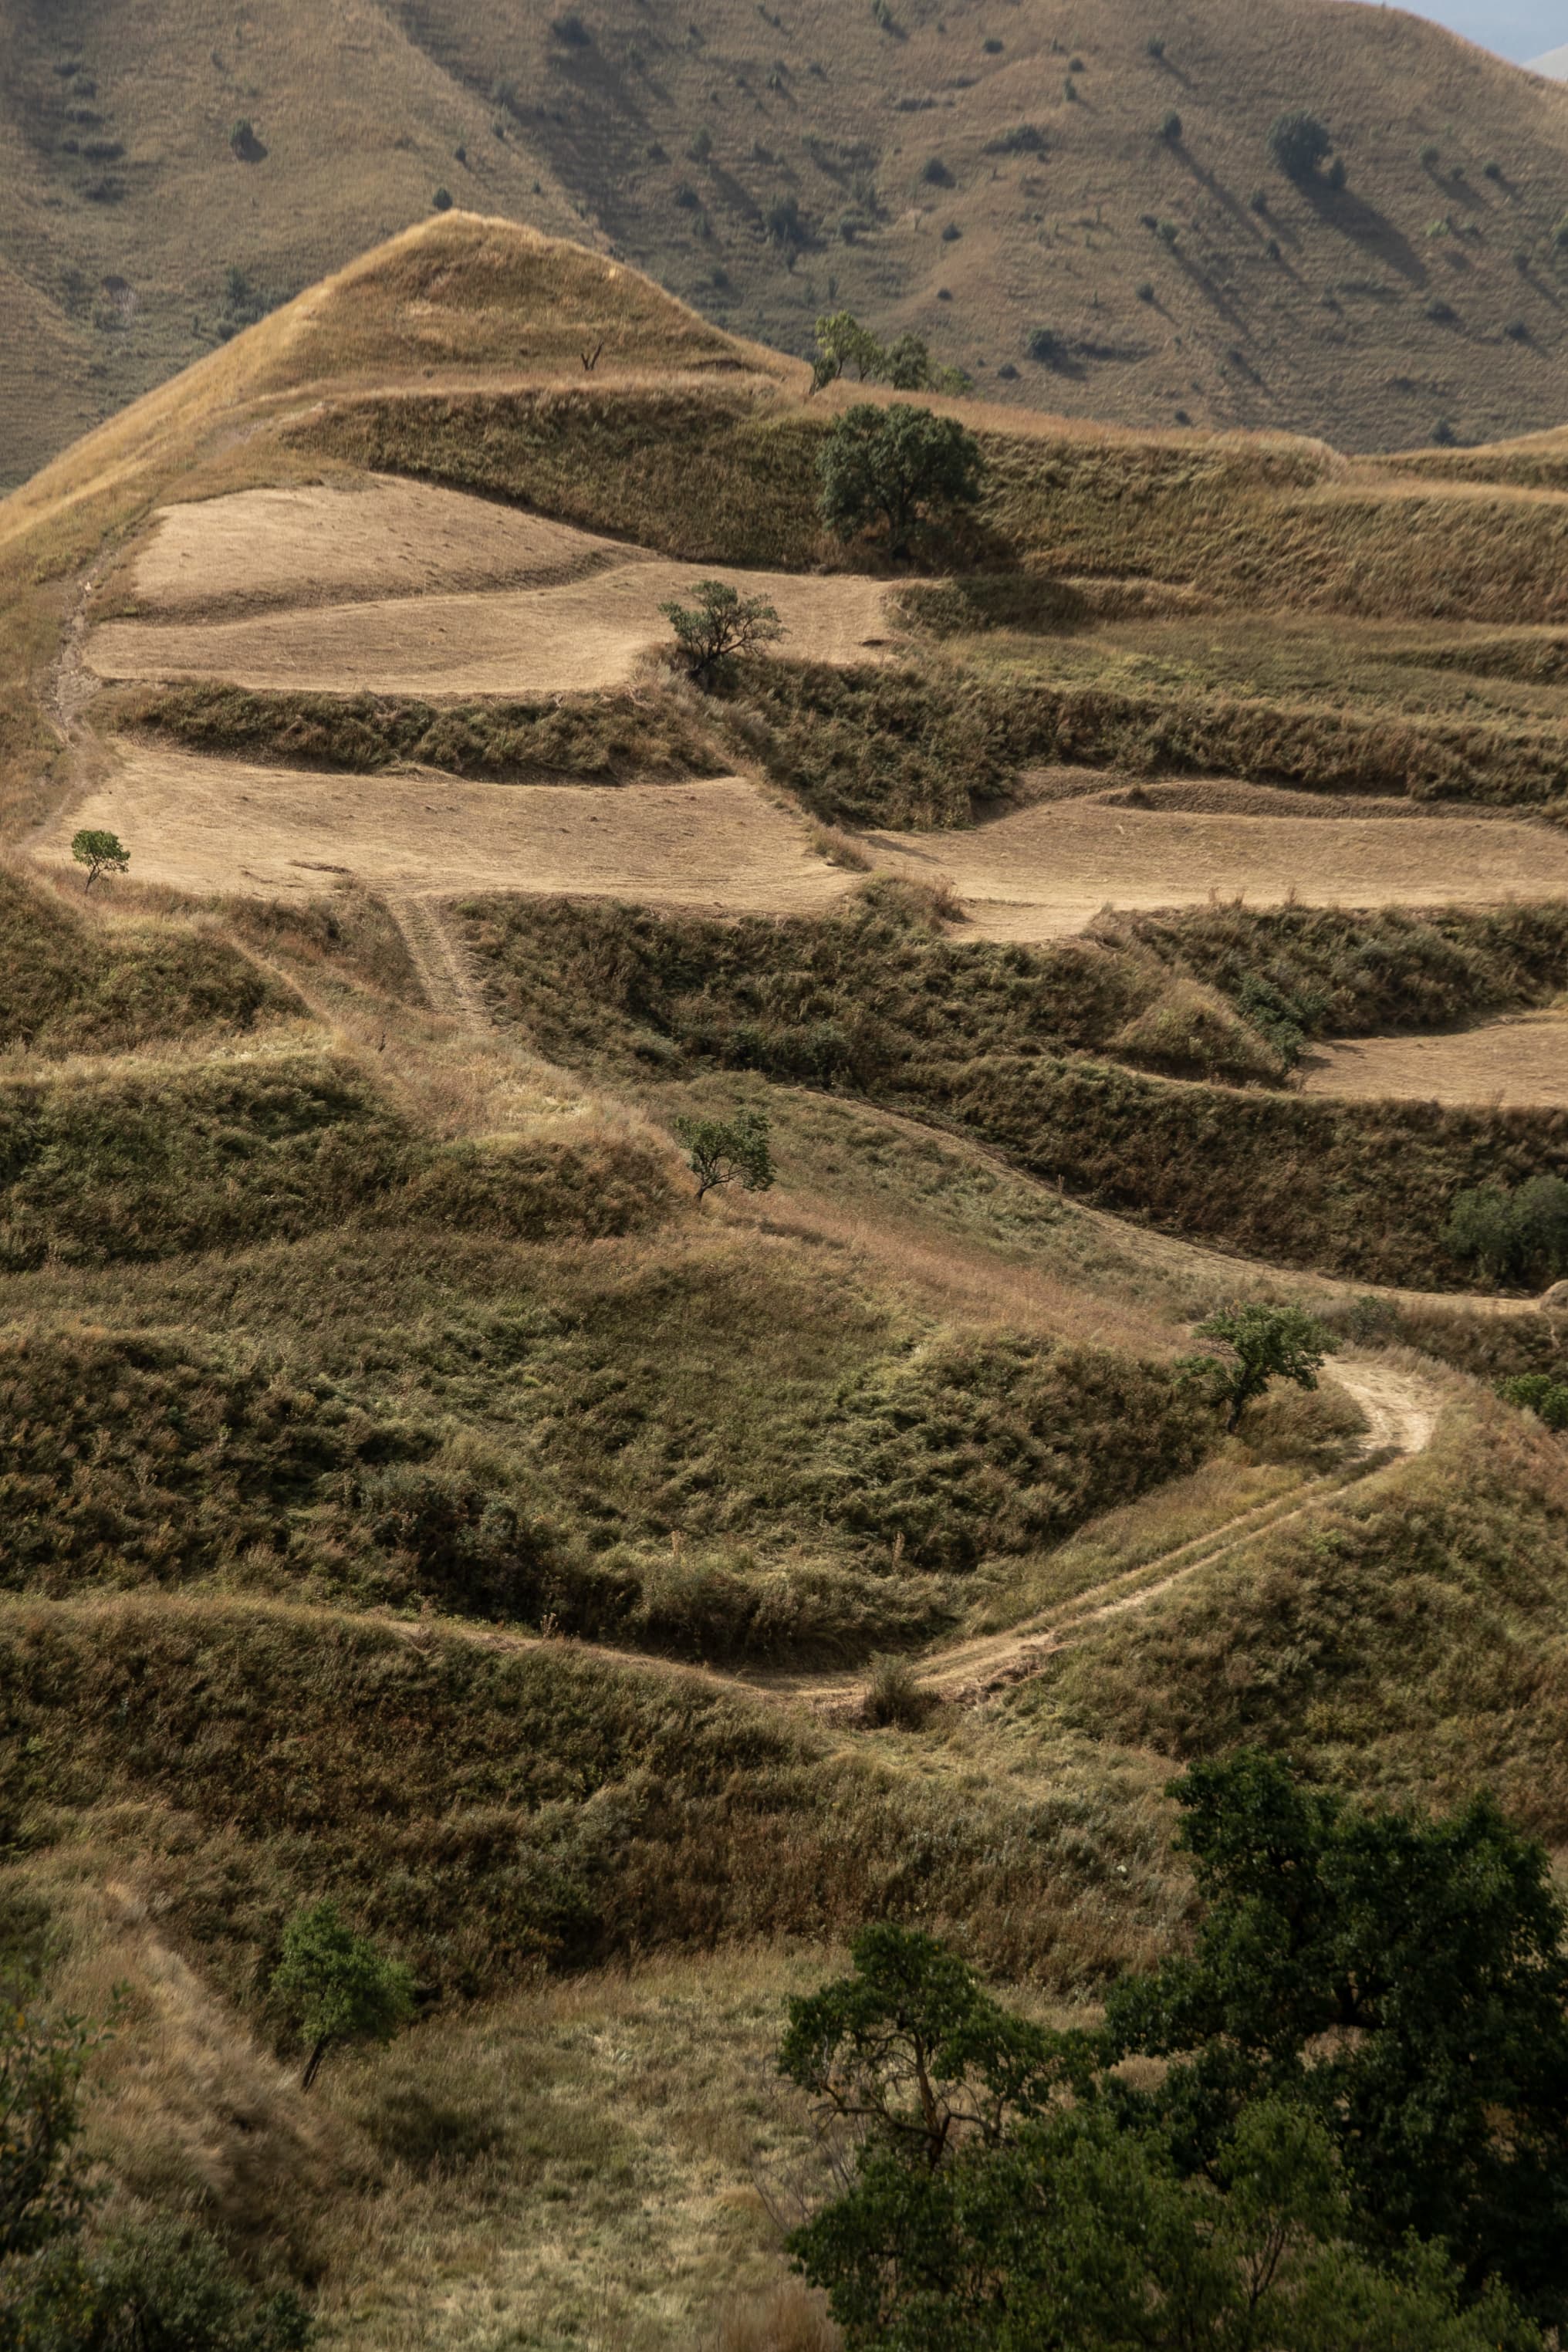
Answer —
1343 209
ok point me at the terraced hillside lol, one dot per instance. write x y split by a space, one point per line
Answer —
415 1497
1084 215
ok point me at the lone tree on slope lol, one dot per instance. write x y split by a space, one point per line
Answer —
1267 1343
728 1151
1299 142
336 1986
721 625
901 466
99 853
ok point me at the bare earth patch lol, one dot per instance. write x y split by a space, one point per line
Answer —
582 636
317 545
1045 870
216 824
1522 1061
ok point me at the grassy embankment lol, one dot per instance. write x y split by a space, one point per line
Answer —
995 1040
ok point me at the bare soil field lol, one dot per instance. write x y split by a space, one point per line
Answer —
1524 1061
216 825
583 635
201 823
321 544
1045 870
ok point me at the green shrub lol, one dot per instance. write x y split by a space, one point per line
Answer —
1538 1393
900 467
1514 1235
1299 142
1170 126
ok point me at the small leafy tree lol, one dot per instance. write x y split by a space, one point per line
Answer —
725 1152
1298 141
719 625
99 853
336 1986
901 466
843 342
1267 1343
1514 1235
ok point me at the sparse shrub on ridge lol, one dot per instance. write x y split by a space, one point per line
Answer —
719 627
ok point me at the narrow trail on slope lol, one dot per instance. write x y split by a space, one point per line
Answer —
449 986
1400 1408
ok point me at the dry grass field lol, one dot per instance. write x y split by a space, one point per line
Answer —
414 1495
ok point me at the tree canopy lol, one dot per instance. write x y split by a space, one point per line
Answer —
899 467
336 1986
719 625
99 853
724 1151
1267 1344
1299 142
1357 2132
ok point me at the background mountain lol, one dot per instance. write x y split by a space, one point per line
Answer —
1078 208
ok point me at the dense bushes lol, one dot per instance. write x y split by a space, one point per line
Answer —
1296 972
1514 1236
890 746
599 738
828 1513
484 1808
142 1167
68 987
708 476
848 999
878 999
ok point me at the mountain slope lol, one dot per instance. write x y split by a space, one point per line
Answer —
923 164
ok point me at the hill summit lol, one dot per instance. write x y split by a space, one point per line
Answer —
1089 218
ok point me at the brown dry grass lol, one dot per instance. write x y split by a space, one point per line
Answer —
586 633
217 825
1505 1061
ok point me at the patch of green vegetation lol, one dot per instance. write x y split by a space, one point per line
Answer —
710 476
876 997
1313 971
856 997
1410 1638
484 1808
148 1165
899 746
697 1450
68 987
599 738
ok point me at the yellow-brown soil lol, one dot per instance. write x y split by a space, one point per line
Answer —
580 635
1505 1061
312 543
216 825
1046 869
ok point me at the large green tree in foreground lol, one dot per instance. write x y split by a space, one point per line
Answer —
1355 2133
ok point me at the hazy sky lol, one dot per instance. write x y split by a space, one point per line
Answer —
1515 28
